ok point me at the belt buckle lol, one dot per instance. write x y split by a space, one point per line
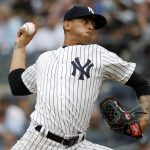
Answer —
70 142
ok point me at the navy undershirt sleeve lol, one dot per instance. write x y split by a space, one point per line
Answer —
16 84
139 83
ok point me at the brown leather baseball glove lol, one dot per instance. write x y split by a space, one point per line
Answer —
119 118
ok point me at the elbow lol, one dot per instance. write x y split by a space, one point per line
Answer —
19 91
16 84
15 92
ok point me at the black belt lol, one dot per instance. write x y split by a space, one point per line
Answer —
69 142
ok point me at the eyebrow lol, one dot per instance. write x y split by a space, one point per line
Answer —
90 19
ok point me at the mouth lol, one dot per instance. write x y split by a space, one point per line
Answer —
90 33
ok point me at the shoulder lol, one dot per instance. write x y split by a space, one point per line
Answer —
103 51
98 49
46 54
94 47
107 52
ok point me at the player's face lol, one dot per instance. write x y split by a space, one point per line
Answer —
82 30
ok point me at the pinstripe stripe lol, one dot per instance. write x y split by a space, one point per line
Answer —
71 109
80 94
48 146
74 99
27 143
63 106
44 87
37 144
44 144
34 142
84 95
92 88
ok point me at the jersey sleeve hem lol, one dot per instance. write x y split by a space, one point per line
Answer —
27 84
132 68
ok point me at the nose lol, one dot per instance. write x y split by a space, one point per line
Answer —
91 25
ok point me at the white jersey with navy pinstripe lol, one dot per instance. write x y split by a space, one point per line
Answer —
67 82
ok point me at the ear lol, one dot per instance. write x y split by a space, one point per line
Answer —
67 25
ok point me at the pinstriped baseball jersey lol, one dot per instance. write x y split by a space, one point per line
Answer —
67 82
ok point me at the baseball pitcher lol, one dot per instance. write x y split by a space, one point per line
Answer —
67 82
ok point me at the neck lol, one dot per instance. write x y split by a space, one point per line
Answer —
65 44
70 41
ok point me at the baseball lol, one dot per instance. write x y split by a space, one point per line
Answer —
29 27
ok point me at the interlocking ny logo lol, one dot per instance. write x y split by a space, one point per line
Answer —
76 65
91 10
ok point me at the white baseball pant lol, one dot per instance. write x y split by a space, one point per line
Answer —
33 140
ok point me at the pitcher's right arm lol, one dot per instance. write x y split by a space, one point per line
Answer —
18 63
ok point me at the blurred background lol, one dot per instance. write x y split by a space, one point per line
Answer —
127 34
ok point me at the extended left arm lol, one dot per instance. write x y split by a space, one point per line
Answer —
142 89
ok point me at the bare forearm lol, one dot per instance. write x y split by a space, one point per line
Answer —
18 58
19 54
145 106
145 103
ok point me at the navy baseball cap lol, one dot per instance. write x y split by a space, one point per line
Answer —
77 12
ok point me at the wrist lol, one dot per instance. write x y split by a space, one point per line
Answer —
19 46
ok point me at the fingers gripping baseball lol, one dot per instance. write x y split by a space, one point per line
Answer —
25 34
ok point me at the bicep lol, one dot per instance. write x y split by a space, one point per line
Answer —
114 68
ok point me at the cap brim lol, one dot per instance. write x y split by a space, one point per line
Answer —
99 20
